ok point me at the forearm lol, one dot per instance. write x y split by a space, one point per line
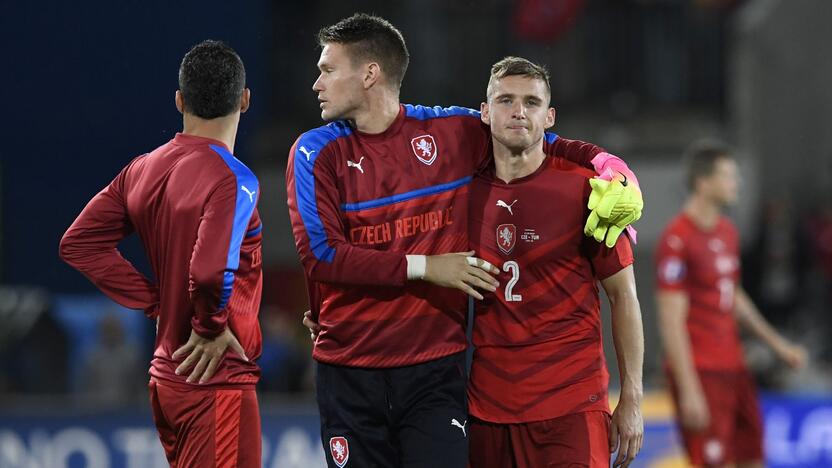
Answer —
210 281
357 266
680 360
678 350
108 270
749 317
628 337
209 319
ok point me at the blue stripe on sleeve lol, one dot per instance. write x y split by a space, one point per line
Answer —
550 137
422 192
255 231
307 150
227 286
247 188
425 113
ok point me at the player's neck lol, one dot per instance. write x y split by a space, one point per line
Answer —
510 165
378 113
223 129
704 212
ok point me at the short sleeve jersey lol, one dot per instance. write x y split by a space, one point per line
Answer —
538 338
705 266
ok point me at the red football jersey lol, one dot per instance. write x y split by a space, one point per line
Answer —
706 266
538 341
194 207
359 203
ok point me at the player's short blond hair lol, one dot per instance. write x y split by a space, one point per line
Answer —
517 66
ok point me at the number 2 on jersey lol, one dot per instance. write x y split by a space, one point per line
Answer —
512 267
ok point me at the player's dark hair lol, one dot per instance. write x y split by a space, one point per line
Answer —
211 80
702 157
518 66
371 38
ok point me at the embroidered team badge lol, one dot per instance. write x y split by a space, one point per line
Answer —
424 147
506 237
340 450
672 270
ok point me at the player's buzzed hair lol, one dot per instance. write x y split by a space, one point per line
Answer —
517 66
371 38
702 157
211 79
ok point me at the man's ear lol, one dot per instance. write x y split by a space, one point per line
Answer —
245 100
180 102
485 116
372 74
550 117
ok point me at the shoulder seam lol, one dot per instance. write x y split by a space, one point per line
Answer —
324 135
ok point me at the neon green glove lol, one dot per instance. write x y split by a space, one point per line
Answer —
614 206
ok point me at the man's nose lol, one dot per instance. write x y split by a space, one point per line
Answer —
518 111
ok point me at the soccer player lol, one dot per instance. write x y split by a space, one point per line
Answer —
378 200
538 388
193 205
700 304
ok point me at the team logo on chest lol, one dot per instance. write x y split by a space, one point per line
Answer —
424 147
340 450
506 237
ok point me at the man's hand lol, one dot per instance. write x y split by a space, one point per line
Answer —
314 328
693 410
613 205
626 432
463 271
794 355
207 354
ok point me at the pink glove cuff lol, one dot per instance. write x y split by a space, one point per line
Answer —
608 165
631 231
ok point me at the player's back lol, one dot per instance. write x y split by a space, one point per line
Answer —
704 264
539 350
193 206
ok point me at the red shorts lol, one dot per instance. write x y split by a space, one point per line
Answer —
209 427
735 433
580 439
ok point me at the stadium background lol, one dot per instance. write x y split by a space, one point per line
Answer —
86 86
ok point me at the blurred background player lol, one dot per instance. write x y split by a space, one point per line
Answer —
700 304
538 389
193 205
375 198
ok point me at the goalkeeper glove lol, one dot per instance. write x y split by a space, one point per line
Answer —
614 205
